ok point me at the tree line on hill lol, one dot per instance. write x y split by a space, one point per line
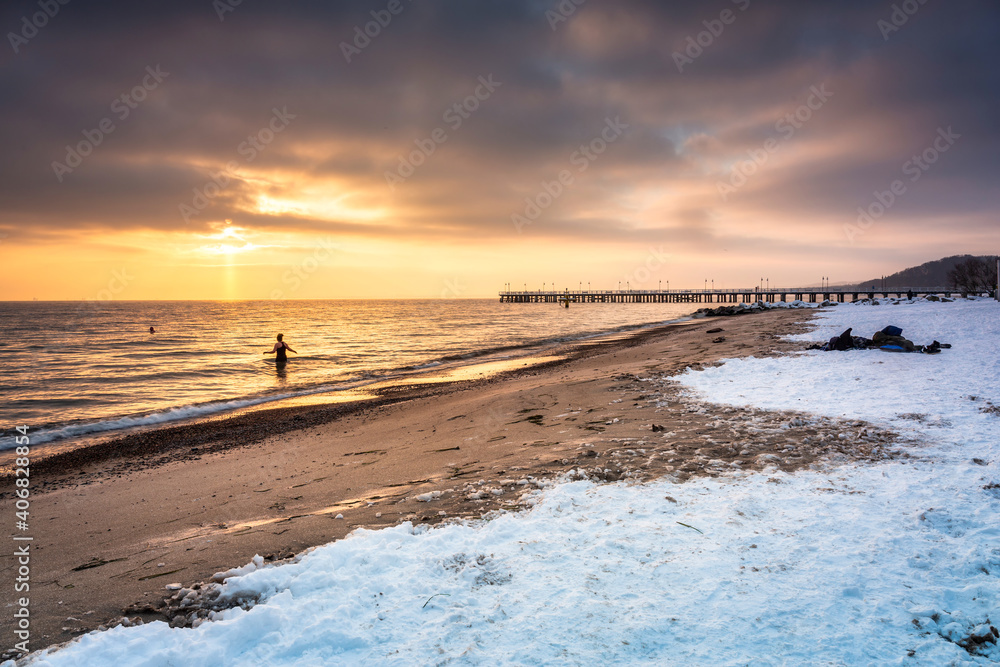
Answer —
975 274
962 273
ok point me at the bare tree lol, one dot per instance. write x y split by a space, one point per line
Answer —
976 274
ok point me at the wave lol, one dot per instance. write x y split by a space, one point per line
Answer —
420 367
157 418
355 378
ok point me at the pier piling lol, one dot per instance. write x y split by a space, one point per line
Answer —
769 295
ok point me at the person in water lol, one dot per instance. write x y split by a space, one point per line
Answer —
152 330
280 348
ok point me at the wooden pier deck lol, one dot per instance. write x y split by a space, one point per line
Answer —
752 295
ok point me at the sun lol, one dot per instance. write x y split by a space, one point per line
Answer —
225 246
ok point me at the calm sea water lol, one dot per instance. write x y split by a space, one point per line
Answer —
76 368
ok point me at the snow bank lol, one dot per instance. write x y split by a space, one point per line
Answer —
895 563
940 397
947 496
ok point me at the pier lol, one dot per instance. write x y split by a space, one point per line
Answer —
752 295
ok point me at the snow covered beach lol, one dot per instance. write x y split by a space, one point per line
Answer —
886 561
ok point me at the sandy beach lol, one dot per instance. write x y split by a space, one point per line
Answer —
180 504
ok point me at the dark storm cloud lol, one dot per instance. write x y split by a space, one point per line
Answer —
353 120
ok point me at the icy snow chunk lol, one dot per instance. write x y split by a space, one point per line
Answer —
923 612
429 496
953 631
256 562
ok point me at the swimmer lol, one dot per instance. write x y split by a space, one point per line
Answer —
279 349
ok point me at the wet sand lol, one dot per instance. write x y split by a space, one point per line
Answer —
180 504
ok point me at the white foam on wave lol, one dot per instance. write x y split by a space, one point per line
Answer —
153 419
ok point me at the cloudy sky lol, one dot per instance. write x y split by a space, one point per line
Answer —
421 148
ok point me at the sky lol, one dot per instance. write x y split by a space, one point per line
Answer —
420 149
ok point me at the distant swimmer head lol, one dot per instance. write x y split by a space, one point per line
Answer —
152 330
280 336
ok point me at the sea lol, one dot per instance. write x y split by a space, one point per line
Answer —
75 370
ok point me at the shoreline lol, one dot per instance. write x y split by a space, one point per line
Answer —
57 438
245 426
181 509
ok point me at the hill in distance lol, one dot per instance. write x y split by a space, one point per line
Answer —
928 274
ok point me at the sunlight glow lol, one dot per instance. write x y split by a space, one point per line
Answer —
317 203
228 233
271 206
